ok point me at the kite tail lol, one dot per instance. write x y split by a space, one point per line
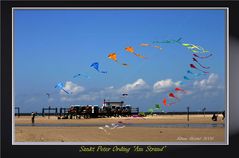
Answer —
179 40
103 72
186 78
202 57
205 67
169 104
206 72
65 91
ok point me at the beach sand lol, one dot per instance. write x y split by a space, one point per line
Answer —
126 134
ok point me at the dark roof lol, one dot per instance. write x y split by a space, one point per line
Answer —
114 102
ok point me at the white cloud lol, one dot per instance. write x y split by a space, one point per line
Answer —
207 84
72 88
84 97
139 84
164 85
209 87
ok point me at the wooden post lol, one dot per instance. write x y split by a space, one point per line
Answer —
188 113
49 112
204 109
43 112
18 111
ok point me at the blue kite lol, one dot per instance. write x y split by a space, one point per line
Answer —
60 85
95 65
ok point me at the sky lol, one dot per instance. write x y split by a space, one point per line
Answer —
51 46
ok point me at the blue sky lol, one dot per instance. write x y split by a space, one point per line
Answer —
52 46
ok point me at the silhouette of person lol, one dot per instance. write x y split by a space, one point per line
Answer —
33 118
214 117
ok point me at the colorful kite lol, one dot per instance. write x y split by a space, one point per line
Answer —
186 78
180 90
157 106
60 85
195 74
205 67
113 56
165 102
129 49
151 111
194 48
202 57
194 67
95 65
172 96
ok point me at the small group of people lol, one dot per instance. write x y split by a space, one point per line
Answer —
214 116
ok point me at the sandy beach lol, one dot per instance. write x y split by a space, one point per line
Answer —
92 133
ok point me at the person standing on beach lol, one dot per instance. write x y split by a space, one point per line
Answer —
33 118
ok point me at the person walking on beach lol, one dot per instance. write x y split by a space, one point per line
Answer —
33 118
214 117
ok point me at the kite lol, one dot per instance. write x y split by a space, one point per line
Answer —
205 67
194 48
60 85
180 89
157 106
95 65
83 75
150 111
165 102
148 45
131 50
195 74
202 57
144 45
186 78
157 47
138 55
169 41
173 96
124 94
194 67
113 56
